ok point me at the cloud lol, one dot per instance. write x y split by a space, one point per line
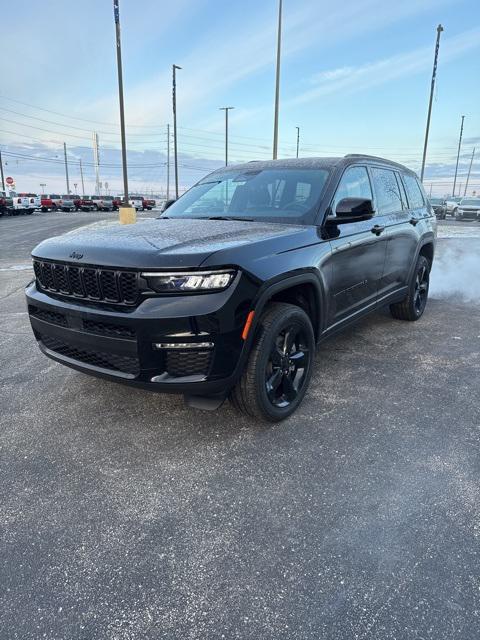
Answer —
349 80
231 52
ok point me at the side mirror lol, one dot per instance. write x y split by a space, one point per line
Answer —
352 210
167 204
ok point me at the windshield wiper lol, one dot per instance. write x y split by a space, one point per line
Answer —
230 218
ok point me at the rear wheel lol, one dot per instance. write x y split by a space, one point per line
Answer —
279 366
413 306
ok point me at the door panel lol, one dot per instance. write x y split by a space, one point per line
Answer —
358 254
404 231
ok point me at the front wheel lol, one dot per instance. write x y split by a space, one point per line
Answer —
280 364
413 306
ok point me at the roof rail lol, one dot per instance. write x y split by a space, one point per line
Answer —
368 157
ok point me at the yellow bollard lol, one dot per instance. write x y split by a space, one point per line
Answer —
127 215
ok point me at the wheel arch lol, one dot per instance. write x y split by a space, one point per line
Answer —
305 291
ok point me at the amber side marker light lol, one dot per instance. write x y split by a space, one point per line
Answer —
248 324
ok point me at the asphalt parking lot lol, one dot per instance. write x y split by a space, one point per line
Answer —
125 515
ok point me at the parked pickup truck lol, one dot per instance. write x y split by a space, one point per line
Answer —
148 204
86 203
66 203
451 204
6 203
102 203
136 202
24 202
49 202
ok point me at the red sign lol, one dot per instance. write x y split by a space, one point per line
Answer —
9 180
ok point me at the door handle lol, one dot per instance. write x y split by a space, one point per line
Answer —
377 229
414 221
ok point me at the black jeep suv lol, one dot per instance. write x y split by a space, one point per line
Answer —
229 291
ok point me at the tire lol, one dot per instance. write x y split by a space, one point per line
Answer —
456 215
273 384
413 306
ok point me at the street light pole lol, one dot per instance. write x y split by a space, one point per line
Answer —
458 155
174 104
226 109
298 139
277 82
168 161
116 13
432 88
469 171
81 176
66 167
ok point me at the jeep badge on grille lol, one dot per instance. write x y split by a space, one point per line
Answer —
76 256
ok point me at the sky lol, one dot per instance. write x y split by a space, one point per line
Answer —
355 77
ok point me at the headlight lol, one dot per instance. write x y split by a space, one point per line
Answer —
177 282
460 210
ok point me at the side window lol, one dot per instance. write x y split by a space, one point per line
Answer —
386 190
414 192
353 184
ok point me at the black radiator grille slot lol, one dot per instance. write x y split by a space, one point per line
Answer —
89 283
112 361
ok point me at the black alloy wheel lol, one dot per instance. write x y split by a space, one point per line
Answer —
288 363
420 295
413 305
279 365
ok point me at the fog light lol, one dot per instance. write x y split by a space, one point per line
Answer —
183 345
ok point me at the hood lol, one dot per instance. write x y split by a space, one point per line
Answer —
160 242
469 207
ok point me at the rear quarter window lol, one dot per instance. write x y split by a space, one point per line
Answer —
414 192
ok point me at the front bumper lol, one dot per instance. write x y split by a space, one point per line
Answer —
119 344
468 215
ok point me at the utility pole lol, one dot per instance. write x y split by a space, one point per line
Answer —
469 171
96 161
43 185
277 82
226 109
458 155
116 14
298 139
432 88
66 167
174 104
1 172
168 161
81 176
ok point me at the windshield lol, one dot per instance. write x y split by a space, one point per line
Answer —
276 195
474 202
436 200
